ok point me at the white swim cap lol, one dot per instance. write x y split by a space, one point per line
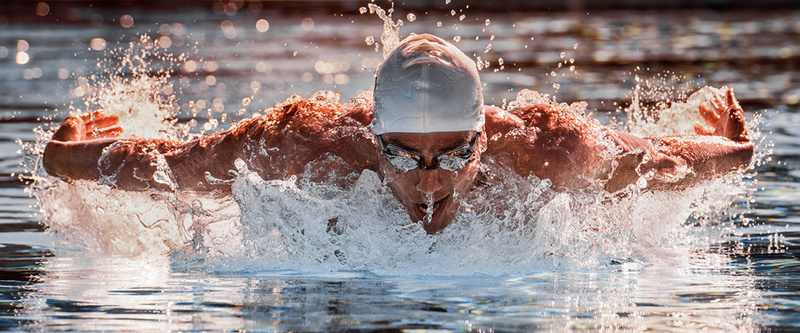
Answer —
427 85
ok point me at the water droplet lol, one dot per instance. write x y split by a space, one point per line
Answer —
556 86
488 22
479 62
572 68
245 101
294 53
553 73
488 47
563 54
453 12
370 40
491 37
500 61
462 17
457 39
411 17
559 65
439 24
571 60
240 165
446 2
362 10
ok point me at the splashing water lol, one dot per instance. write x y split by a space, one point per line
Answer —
390 37
134 89
510 224
669 115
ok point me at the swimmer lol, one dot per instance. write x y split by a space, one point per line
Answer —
425 135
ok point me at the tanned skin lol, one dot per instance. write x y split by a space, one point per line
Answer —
543 140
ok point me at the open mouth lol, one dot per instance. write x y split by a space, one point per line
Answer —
425 209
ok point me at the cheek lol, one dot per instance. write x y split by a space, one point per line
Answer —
388 172
464 181
398 182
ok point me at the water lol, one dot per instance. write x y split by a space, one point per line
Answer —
721 256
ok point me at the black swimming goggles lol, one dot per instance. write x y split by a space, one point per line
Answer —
454 160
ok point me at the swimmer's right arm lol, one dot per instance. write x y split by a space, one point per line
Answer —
275 147
87 147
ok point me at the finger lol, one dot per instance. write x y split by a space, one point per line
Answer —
91 115
106 133
716 102
94 115
731 99
69 130
709 116
111 132
736 127
103 122
703 130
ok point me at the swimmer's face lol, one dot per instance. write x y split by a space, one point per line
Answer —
417 188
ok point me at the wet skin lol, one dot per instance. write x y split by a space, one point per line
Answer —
417 189
543 140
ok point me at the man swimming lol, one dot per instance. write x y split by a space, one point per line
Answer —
425 135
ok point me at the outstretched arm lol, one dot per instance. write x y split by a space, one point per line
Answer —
571 150
721 146
87 146
276 146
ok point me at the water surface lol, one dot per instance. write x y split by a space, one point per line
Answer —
731 268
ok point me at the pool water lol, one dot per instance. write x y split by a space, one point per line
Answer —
721 256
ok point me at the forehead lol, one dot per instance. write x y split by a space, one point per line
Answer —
436 141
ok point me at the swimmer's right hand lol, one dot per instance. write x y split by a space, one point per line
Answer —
88 126
78 143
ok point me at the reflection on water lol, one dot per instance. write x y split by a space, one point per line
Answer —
147 295
731 272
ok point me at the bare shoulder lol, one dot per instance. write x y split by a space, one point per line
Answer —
315 115
560 119
540 123
301 130
548 141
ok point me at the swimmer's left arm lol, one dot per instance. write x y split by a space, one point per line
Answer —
672 162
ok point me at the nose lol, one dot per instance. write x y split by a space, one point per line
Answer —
429 182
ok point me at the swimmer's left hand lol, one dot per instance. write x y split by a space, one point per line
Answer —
723 118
